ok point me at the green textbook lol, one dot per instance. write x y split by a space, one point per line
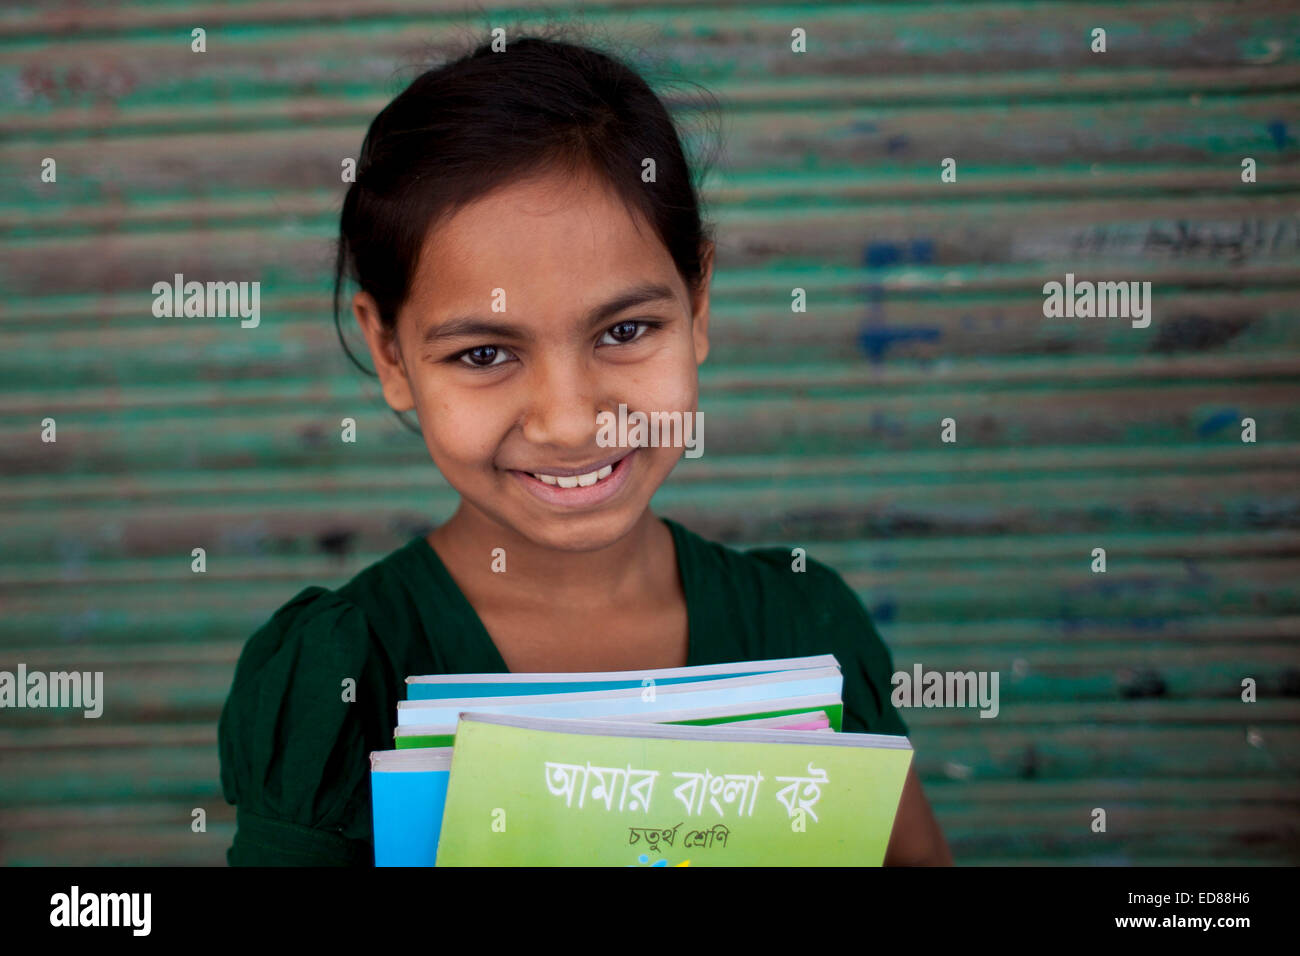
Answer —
535 791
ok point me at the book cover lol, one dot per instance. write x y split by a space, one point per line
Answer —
549 792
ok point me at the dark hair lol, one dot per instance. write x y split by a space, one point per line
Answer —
464 128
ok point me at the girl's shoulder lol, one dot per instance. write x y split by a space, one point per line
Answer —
324 621
314 691
298 704
316 615
376 614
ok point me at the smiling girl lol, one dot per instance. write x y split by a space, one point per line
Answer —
518 277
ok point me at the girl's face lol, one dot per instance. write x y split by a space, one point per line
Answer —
531 311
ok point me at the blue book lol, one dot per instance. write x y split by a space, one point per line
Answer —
408 790
447 686
631 701
416 736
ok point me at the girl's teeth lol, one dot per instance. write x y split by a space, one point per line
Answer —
590 478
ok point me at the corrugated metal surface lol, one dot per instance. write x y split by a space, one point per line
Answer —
1119 691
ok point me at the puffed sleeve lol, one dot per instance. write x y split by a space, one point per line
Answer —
864 659
293 747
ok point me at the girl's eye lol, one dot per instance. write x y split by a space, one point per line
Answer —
482 356
628 331
490 356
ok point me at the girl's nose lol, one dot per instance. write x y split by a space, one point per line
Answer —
562 407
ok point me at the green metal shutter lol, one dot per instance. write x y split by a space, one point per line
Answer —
1119 690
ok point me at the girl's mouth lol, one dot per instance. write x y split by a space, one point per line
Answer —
577 491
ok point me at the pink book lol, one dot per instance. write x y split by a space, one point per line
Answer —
813 720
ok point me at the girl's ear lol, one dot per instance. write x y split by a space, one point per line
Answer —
384 352
700 321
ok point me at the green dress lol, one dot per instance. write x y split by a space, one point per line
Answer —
295 755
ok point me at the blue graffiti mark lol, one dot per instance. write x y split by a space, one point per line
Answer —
896 144
876 340
874 293
1217 421
880 254
1277 130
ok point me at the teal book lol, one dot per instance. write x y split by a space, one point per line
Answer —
635 702
529 791
444 735
448 686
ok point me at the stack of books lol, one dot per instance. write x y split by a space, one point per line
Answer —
738 764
